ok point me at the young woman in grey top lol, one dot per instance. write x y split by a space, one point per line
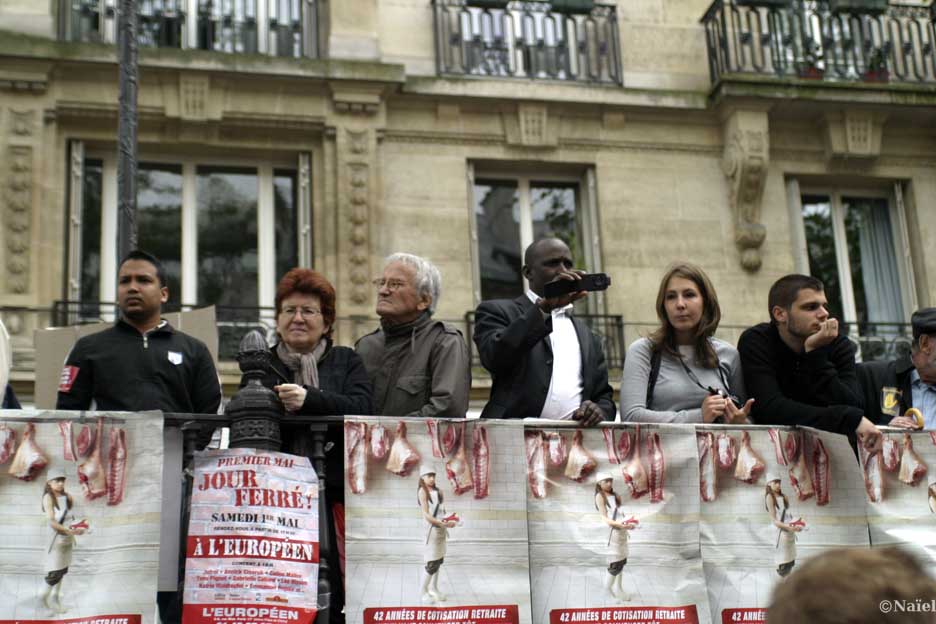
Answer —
692 364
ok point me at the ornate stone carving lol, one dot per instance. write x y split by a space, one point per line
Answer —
17 217
853 135
194 92
358 211
744 162
532 126
21 123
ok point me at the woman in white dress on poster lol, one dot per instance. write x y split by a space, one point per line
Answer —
57 505
608 504
778 506
433 510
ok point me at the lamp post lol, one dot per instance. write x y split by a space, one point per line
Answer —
127 128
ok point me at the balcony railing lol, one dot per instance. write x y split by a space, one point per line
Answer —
285 28
822 40
518 39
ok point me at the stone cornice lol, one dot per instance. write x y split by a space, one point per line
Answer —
582 94
743 86
16 45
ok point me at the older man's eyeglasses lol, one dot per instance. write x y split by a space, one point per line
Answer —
391 285
305 313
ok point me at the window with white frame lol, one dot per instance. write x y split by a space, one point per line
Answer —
225 231
511 211
856 242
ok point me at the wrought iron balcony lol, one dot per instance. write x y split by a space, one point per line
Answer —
569 40
274 27
832 40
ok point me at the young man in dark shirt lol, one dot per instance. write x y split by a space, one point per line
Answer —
798 367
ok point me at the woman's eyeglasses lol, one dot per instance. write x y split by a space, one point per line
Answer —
306 313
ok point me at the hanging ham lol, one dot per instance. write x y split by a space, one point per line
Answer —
635 476
820 463
458 468
536 463
708 488
871 468
403 457
116 466
481 461
912 468
890 454
85 441
379 441
65 428
91 472
432 425
799 472
7 443
657 466
749 465
610 445
29 459
727 451
355 439
581 463
557 450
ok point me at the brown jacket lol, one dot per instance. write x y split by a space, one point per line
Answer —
419 369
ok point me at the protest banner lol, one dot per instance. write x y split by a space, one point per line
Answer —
436 522
613 525
253 542
900 489
771 498
81 498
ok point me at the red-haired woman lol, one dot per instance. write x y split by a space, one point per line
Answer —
314 377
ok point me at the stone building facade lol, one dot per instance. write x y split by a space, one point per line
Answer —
331 133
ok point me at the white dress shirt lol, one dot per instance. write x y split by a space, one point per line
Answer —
565 387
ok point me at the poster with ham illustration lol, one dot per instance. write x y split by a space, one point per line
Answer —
900 490
612 520
770 499
253 543
81 497
436 525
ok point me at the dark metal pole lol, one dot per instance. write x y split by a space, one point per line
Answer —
127 129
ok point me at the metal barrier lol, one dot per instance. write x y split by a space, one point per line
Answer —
821 40
520 39
286 28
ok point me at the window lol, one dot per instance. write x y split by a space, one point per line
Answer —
510 213
856 243
225 231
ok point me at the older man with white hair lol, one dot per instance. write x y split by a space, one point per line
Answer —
418 366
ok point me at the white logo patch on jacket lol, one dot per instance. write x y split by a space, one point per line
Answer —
175 357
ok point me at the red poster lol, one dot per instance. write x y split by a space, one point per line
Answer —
750 616
252 553
629 615
488 614
115 618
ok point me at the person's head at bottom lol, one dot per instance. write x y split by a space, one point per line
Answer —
855 586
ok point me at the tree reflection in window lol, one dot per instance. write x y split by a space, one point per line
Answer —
820 245
159 221
227 236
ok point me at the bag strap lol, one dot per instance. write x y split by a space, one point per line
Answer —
655 360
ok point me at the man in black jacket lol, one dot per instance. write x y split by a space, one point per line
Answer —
544 362
892 387
142 363
799 369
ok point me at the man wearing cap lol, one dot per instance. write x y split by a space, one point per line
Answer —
893 387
